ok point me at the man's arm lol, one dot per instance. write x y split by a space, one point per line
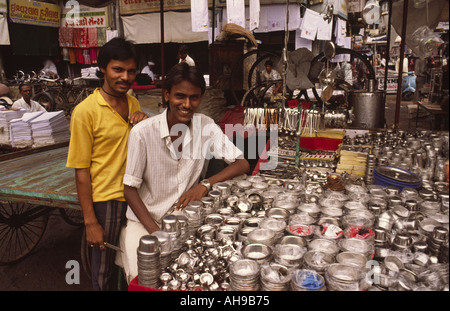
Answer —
238 167
94 231
139 209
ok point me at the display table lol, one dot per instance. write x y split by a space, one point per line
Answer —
435 113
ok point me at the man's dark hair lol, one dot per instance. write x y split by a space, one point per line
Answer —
21 85
118 49
268 63
183 49
183 72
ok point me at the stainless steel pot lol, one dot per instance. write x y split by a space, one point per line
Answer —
368 109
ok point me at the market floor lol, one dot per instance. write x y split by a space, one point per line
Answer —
45 268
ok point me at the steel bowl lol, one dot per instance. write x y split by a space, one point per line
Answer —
275 277
343 277
258 252
293 240
393 264
332 212
440 233
427 225
354 205
164 241
317 261
278 213
289 255
148 244
264 236
329 220
387 281
307 280
358 246
206 231
214 219
359 218
352 258
170 223
324 246
301 219
304 231
226 233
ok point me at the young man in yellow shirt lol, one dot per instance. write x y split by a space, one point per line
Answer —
98 148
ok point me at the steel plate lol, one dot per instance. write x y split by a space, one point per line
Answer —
397 174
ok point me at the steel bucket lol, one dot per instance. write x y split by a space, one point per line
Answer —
368 109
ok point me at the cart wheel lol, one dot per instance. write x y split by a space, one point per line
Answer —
86 254
22 226
72 216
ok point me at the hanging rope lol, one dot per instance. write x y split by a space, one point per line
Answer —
284 56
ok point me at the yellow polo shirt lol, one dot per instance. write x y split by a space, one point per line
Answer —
99 140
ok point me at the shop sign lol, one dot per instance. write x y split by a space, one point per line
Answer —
35 13
148 6
81 16
3 6
391 84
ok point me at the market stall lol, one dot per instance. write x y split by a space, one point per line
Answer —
310 228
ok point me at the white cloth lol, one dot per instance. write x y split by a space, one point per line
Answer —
175 29
309 24
129 243
302 43
276 17
236 12
49 67
255 8
188 60
22 104
149 72
110 34
4 32
151 155
199 15
325 29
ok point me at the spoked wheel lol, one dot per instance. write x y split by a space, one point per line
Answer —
46 100
22 226
61 102
86 253
318 63
72 216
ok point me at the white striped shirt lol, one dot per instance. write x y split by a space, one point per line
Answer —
153 167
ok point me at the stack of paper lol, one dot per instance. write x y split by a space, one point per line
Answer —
50 128
89 72
5 118
20 130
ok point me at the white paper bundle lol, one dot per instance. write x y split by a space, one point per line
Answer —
50 128
5 119
20 130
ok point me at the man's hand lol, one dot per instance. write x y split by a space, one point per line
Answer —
137 117
95 236
196 193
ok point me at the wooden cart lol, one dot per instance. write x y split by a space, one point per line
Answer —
32 183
